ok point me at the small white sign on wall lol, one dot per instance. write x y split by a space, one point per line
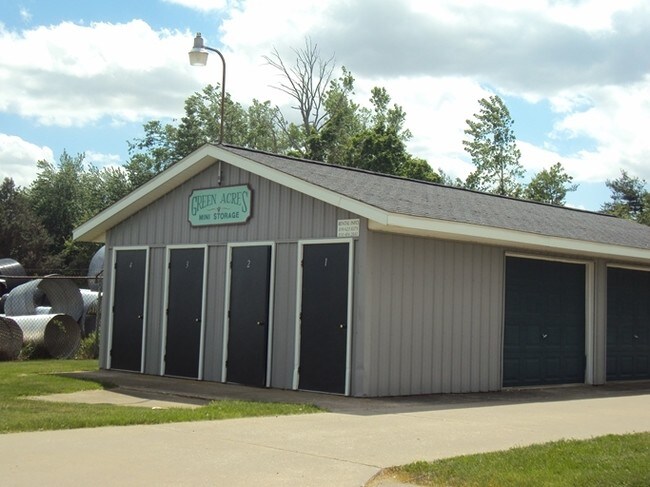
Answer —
347 228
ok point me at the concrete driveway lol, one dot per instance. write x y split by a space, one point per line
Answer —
343 448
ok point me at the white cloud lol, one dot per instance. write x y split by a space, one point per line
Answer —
617 120
18 159
201 5
25 14
72 75
103 160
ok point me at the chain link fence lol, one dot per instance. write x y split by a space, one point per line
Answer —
49 315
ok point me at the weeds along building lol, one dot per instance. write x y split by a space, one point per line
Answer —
241 266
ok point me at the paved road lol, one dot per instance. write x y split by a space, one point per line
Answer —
330 449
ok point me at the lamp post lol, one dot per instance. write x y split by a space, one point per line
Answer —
199 57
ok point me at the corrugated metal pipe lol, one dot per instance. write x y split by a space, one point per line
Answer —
88 321
64 296
61 295
96 269
57 335
23 299
8 269
11 339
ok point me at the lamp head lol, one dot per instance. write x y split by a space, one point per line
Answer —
198 54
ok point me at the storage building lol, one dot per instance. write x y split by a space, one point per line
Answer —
235 265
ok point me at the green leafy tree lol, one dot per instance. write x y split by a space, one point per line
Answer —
22 236
58 195
343 122
105 187
381 145
493 149
162 145
550 186
416 168
379 150
63 196
263 130
152 153
629 198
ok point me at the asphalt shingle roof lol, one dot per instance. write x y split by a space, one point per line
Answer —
437 202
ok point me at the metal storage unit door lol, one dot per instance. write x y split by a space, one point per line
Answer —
628 324
248 315
544 336
323 317
184 312
128 309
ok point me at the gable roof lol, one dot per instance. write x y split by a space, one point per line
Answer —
405 206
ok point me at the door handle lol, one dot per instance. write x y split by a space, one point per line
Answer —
197 320
260 323
343 326
636 337
544 336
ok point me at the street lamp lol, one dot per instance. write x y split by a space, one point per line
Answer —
199 57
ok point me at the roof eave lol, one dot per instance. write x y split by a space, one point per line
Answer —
94 230
516 239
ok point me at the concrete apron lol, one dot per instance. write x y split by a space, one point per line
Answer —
341 449
118 398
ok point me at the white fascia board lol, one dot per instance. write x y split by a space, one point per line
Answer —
94 230
325 195
504 237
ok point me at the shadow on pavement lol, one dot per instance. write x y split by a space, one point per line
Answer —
202 392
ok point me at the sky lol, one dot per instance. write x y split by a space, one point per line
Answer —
84 76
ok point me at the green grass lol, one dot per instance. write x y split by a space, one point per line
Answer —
38 377
613 460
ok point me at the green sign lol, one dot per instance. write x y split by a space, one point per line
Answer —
220 206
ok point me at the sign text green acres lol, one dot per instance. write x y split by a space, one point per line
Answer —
220 206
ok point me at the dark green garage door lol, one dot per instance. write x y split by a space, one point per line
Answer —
544 340
628 324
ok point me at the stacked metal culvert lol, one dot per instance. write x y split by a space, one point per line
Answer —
14 275
96 269
53 335
50 314
11 339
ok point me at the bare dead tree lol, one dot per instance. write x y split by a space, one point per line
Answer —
306 81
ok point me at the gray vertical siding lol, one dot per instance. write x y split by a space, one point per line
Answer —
600 322
155 310
434 316
214 312
284 316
